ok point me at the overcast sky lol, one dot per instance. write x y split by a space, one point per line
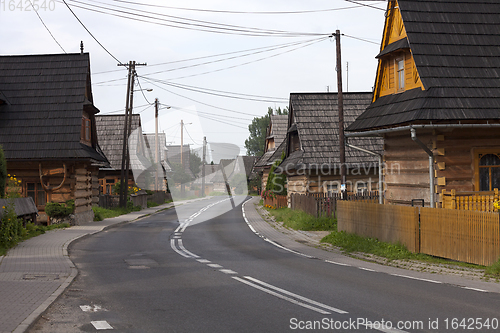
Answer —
200 52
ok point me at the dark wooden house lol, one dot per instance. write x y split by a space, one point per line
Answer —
437 98
47 129
312 162
275 136
110 134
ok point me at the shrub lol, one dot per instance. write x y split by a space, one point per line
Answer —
3 173
57 210
11 228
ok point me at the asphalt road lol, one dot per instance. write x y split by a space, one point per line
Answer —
211 273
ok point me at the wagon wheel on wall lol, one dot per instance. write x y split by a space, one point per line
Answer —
49 188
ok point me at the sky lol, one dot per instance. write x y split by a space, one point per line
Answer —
215 65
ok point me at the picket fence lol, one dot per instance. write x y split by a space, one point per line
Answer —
468 236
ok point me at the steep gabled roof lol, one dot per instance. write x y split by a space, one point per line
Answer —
110 134
150 139
315 117
174 157
45 98
456 50
277 131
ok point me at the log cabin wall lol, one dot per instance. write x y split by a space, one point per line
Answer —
81 184
457 156
406 171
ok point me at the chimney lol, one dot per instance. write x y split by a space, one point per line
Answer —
81 47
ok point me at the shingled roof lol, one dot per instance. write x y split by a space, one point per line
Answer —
277 131
110 134
456 49
315 118
44 99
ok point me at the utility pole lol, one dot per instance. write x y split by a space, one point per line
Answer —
126 132
341 117
203 166
182 142
156 144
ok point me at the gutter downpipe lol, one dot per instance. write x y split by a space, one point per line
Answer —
380 190
431 163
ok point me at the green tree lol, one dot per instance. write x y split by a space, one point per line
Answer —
195 162
3 173
276 182
179 174
258 129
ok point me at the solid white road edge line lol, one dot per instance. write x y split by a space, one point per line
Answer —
286 292
291 300
172 245
415 278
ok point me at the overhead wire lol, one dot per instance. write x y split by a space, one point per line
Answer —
239 12
191 24
51 35
83 25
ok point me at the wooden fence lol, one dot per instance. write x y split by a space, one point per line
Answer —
478 201
322 204
469 236
387 223
279 201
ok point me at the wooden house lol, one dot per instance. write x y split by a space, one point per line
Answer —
437 99
163 168
312 159
275 136
110 135
48 130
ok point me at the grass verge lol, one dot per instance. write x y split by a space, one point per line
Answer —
101 213
32 230
351 243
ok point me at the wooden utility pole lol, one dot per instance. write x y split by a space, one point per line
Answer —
182 142
126 132
156 144
341 117
203 166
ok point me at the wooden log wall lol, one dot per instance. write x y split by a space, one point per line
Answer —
457 151
83 189
406 171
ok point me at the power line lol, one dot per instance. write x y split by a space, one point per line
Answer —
253 61
197 25
51 35
196 143
83 25
247 97
240 12
365 5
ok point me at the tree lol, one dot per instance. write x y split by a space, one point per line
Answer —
195 162
3 173
258 130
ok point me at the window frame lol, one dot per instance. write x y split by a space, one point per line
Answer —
478 153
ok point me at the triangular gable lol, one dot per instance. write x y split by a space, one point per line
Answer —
396 61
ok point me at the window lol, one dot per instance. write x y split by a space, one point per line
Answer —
361 188
36 192
489 172
86 134
332 187
400 63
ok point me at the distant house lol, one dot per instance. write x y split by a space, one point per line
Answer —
234 169
312 160
275 136
437 99
110 134
211 170
164 167
48 129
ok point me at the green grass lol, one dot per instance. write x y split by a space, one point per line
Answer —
33 230
103 213
299 220
351 243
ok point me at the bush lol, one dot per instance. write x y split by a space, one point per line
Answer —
3 173
57 210
11 228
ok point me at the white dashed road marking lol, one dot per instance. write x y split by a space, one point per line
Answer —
101 325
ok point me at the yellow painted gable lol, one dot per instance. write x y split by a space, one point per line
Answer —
398 65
